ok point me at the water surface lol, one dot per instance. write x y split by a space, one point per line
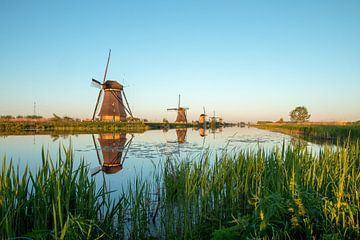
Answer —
118 158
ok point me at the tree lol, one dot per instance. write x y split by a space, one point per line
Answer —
299 114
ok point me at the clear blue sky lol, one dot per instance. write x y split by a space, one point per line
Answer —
247 60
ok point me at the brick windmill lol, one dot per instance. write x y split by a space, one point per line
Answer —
112 107
181 113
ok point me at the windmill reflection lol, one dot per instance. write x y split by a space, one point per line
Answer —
202 132
181 135
114 148
180 139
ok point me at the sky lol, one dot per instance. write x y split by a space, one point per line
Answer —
245 60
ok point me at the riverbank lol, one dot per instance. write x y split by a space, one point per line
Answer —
71 127
43 127
281 194
315 131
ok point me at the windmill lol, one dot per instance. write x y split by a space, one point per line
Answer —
214 122
202 123
113 146
181 113
112 107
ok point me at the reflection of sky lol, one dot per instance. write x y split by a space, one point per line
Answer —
147 152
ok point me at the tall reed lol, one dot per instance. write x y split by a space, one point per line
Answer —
58 201
287 193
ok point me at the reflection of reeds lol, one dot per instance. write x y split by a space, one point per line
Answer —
287 193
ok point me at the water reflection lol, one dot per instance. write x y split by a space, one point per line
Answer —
180 135
114 148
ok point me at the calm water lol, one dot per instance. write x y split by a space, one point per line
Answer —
118 158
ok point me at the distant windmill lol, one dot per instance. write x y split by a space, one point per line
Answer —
202 123
112 107
213 120
202 119
181 113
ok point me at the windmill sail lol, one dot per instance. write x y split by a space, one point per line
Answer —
100 92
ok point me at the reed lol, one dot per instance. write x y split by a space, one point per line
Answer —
316 132
58 201
287 193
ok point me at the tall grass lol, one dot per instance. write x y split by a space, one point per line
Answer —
286 193
282 194
58 201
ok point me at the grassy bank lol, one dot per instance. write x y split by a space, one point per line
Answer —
314 131
286 193
9 128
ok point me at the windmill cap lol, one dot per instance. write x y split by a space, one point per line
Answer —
112 84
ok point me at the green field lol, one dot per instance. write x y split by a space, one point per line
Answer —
286 193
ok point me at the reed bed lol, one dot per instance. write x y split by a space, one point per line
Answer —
57 201
317 132
286 193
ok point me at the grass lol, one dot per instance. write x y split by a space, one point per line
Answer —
10 128
316 132
55 202
287 193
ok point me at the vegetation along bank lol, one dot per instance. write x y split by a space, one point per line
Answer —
288 193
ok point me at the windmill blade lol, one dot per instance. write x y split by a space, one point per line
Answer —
97 104
179 102
107 65
96 149
186 108
170 109
96 83
204 111
117 97
98 99
127 146
127 103
95 170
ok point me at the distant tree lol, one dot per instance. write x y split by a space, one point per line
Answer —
281 120
33 116
299 114
6 117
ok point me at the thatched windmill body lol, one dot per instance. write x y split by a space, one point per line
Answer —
181 113
112 106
